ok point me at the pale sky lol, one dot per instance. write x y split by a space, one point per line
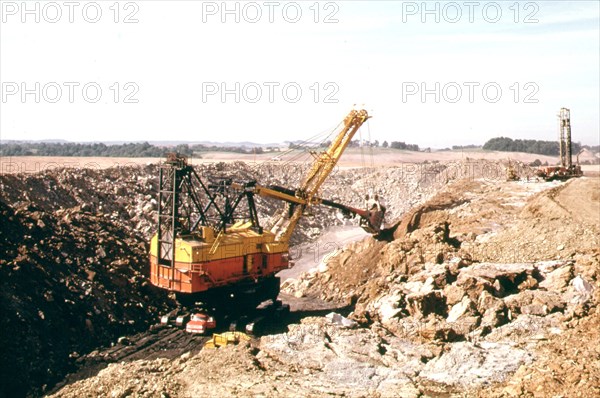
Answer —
163 76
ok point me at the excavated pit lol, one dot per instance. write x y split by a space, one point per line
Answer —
74 278
74 265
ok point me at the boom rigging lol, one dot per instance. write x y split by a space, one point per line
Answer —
320 170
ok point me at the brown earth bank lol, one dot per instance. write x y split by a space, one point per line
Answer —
71 279
487 288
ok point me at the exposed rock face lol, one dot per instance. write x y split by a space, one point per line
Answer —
442 288
467 364
558 280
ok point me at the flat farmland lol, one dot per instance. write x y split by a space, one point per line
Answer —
353 157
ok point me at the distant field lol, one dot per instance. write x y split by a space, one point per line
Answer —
388 157
591 170
353 157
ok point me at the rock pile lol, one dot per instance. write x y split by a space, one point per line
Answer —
128 194
125 195
450 300
432 284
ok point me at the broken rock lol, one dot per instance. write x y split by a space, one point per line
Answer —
338 319
558 280
468 364
458 310
535 302
423 304
453 293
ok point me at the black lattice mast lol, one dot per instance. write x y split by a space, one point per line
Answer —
170 176
185 204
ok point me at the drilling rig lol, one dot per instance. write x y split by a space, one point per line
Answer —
566 169
210 245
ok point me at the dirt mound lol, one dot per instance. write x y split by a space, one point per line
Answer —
432 212
360 270
70 281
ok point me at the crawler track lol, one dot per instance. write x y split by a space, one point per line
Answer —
158 342
165 342
162 341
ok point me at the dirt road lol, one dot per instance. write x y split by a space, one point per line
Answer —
310 255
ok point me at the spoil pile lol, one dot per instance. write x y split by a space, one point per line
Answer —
128 194
70 281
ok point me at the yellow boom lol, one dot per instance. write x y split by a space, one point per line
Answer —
324 163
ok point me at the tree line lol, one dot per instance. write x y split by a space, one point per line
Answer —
130 150
397 145
144 149
506 144
234 149
358 143
460 147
